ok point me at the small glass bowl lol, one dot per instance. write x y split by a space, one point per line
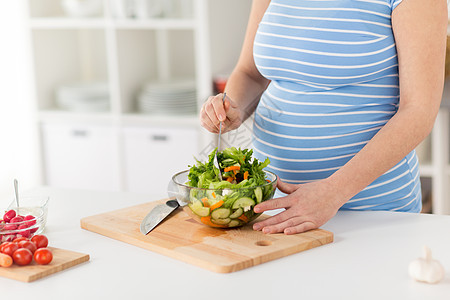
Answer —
35 206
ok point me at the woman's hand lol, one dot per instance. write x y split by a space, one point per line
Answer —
308 206
215 111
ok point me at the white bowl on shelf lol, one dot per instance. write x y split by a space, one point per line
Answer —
82 8
83 97
168 97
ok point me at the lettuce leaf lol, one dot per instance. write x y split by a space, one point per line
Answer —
205 175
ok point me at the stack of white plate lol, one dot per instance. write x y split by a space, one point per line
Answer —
83 97
173 97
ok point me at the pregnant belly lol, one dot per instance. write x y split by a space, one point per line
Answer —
309 140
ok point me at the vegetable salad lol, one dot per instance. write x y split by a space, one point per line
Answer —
230 202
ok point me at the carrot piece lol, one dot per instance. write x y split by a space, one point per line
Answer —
229 179
205 202
5 260
268 180
234 172
216 205
207 221
231 168
245 175
243 218
213 194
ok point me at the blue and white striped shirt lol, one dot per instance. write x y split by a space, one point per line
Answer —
334 83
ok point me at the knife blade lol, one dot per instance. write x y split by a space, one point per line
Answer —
157 215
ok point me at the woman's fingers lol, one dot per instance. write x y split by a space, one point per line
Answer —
208 125
296 224
276 203
218 107
278 218
206 121
286 188
307 207
305 226
214 110
211 114
281 227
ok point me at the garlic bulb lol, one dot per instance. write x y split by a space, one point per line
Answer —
426 269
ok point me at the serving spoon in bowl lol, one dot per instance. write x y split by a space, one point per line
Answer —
16 192
216 160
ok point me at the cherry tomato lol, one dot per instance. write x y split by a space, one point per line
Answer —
25 233
7 237
9 215
40 241
19 239
31 220
9 248
16 219
28 245
10 227
43 256
22 256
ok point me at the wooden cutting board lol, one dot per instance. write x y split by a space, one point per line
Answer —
218 250
62 259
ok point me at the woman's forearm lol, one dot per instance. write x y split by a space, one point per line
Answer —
246 84
245 91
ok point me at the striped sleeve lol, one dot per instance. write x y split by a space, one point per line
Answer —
395 3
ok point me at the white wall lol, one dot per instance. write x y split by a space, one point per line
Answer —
18 153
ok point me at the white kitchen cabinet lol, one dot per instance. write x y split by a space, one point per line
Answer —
153 155
80 156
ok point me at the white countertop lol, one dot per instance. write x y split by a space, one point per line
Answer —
368 260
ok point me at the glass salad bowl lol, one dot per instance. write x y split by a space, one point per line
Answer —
24 221
222 208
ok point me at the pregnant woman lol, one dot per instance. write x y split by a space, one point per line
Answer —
342 91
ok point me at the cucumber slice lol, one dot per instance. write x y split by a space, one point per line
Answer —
234 223
237 213
199 209
221 221
244 202
220 213
258 194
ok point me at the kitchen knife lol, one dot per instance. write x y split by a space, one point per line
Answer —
157 215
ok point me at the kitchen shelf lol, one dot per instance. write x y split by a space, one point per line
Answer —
186 24
45 116
159 120
426 171
103 23
67 23
124 119
125 54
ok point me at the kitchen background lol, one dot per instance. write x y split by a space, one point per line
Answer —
104 94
